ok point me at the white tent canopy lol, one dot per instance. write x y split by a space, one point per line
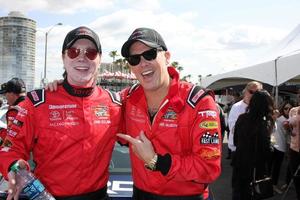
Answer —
282 66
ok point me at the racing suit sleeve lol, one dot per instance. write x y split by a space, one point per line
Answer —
10 116
203 163
19 139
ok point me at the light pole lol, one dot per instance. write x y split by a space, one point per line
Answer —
44 81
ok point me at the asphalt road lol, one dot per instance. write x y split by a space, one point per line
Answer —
221 189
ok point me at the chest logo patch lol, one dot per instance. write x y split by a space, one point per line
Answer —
170 114
101 111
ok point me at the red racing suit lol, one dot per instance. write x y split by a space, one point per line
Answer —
71 133
185 133
10 117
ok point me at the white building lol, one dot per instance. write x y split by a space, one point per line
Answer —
17 48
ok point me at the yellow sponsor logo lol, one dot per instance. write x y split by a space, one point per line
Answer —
209 124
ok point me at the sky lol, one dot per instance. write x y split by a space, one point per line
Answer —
205 37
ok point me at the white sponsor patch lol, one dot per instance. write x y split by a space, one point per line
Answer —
51 107
208 113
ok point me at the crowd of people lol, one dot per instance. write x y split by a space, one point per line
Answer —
173 129
260 137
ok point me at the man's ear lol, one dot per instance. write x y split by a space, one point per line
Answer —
168 57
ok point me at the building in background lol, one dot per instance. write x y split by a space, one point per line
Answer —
17 48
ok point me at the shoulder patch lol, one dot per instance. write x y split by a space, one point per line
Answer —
196 94
37 97
115 97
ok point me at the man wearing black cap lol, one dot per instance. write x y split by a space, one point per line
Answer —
71 132
172 126
15 92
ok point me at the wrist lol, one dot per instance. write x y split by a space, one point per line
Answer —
151 165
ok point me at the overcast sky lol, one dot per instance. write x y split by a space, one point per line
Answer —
205 37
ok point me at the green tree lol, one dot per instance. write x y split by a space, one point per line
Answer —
113 54
177 66
187 78
199 80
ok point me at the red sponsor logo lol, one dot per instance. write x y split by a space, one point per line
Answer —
210 153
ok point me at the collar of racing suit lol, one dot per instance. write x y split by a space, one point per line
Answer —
175 100
76 91
21 98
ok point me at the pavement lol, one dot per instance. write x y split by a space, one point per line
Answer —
221 188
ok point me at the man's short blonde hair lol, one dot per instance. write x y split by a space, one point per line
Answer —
252 84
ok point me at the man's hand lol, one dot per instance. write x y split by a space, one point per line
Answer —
141 146
52 86
14 189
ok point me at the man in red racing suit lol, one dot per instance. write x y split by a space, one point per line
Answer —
71 133
173 127
185 134
15 92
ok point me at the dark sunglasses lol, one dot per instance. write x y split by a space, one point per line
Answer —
148 55
91 54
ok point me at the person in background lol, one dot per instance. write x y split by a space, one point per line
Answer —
236 97
71 132
15 92
1 103
280 143
222 120
172 127
253 146
240 108
294 151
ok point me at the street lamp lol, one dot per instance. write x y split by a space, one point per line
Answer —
45 64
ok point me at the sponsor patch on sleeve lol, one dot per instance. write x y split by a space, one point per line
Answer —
208 114
209 138
37 97
210 153
209 124
12 133
17 123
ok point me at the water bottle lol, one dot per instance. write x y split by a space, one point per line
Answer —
32 187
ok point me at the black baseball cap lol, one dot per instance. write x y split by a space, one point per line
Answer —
148 36
15 85
79 33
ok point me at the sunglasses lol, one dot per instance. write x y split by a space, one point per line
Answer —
149 55
91 54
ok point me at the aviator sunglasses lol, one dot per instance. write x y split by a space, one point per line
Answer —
148 55
91 54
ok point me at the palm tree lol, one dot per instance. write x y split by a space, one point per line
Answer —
200 79
177 66
113 54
